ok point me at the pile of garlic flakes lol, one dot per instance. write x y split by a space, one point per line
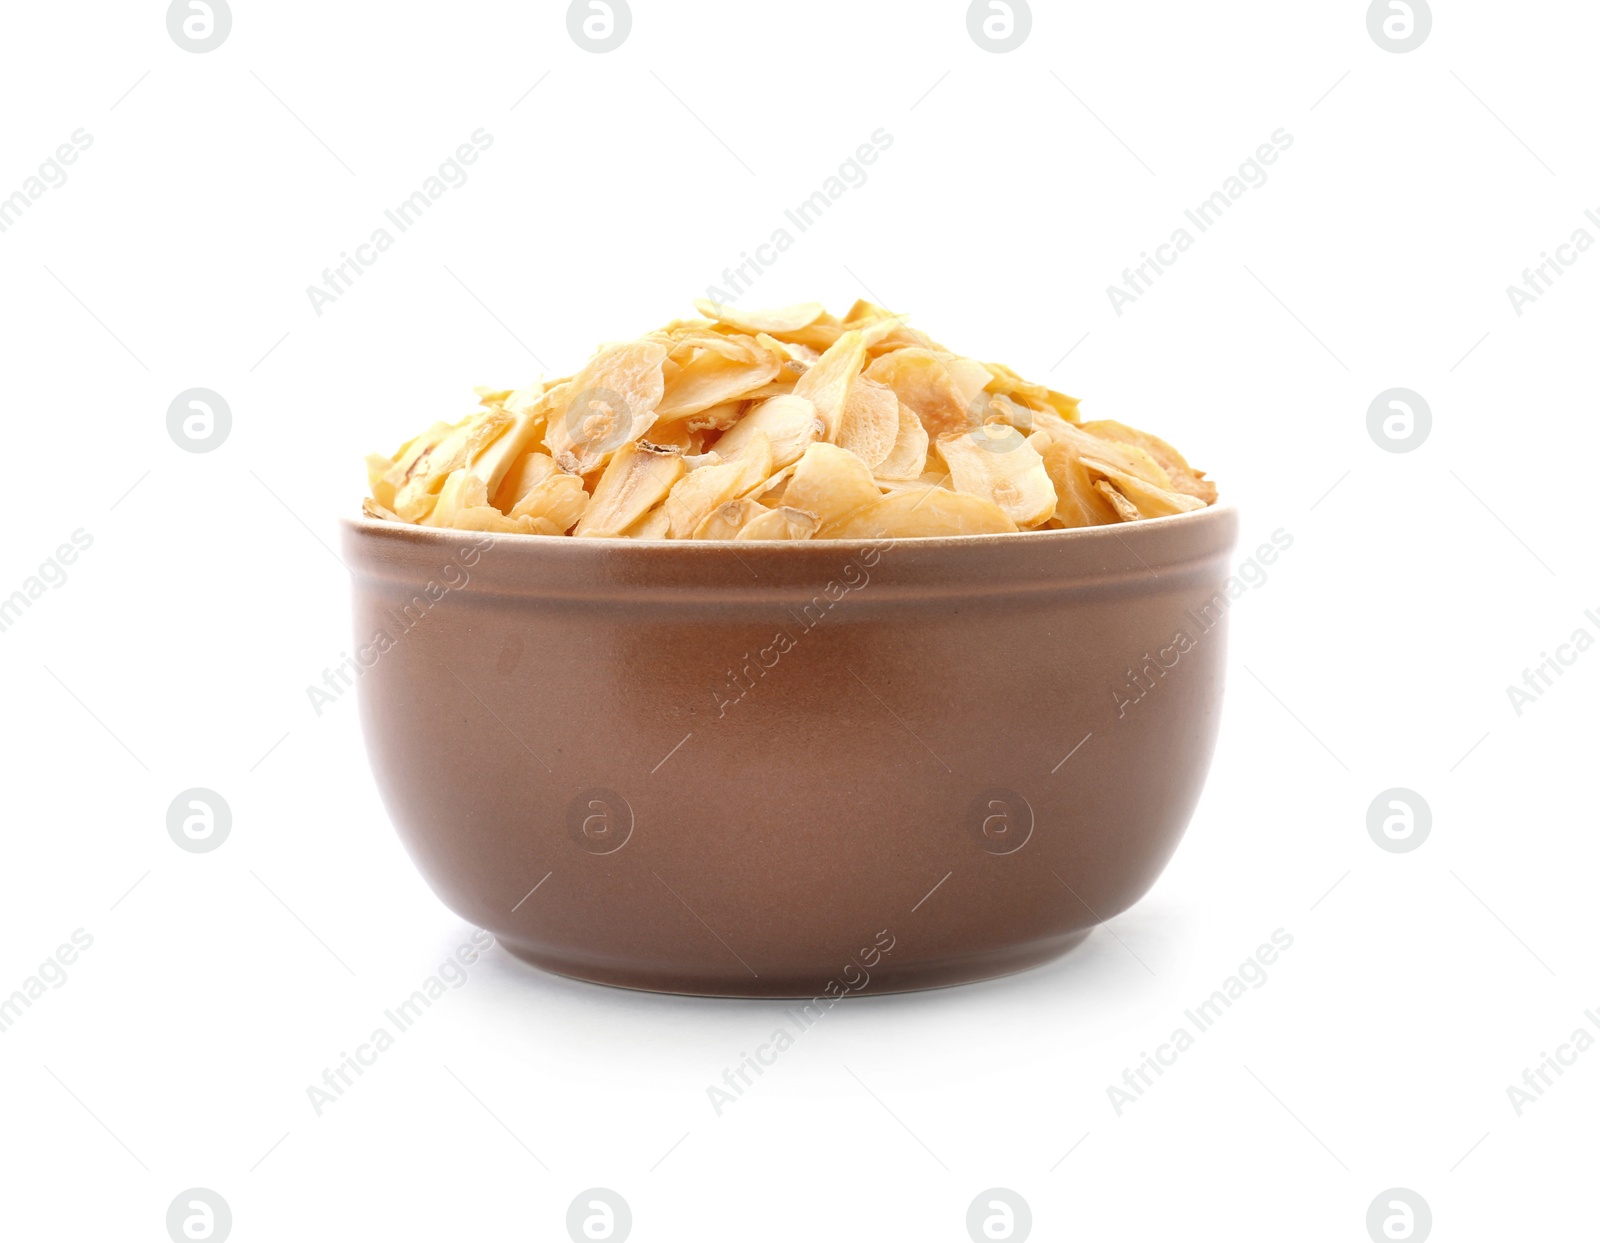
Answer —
782 424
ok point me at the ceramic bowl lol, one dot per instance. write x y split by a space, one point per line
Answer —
781 769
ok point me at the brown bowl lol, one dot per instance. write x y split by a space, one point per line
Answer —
773 769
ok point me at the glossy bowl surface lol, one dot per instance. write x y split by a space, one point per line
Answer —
791 769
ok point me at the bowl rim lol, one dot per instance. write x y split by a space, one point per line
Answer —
361 525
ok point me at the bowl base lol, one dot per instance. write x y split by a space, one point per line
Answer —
886 977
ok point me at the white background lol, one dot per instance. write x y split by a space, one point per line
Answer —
1376 654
